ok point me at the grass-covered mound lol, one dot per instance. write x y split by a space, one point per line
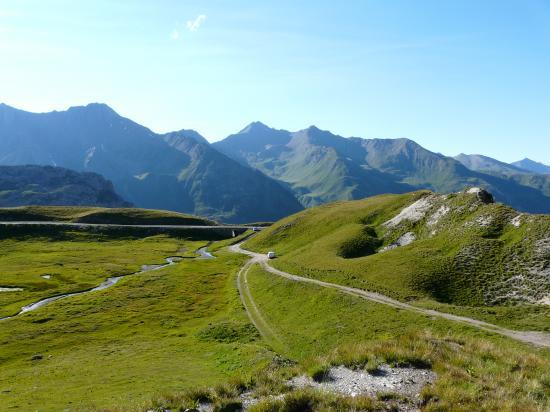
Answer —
457 249
120 216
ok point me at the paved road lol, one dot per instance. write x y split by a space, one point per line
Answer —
534 338
73 224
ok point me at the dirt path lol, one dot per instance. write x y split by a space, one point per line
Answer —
250 307
534 338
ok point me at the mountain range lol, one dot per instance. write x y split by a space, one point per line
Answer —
178 171
257 174
319 167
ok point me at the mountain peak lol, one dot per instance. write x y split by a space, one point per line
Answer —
255 127
532 166
313 128
186 134
100 108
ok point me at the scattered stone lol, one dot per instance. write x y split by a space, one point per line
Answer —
484 221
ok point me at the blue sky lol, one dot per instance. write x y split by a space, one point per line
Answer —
456 76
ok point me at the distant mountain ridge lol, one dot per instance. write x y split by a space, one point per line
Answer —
532 166
177 171
488 165
319 166
257 174
48 185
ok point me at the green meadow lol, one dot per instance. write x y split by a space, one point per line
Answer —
174 337
155 332
75 261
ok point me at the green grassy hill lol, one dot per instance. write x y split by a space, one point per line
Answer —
470 256
121 216
169 338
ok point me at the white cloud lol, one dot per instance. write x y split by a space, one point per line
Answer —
193 25
175 35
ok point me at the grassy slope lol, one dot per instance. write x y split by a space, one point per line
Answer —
158 332
476 370
124 216
431 270
184 327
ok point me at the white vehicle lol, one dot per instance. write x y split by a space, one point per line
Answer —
255 229
271 255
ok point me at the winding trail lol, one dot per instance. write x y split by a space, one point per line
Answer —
250 307
541 339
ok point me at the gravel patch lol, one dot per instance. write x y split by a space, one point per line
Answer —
407 382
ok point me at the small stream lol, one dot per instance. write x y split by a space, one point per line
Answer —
104 285
204 253
171 260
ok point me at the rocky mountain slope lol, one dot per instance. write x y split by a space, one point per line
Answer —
458 248
319 167
178 171
47 185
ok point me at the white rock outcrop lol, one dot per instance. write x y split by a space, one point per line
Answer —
413 212
404 240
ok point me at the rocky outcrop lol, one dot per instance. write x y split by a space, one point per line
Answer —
483 196
48 185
